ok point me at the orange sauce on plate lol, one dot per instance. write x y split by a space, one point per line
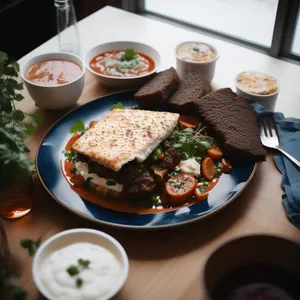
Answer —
53 72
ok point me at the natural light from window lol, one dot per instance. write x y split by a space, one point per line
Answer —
296 42
251 20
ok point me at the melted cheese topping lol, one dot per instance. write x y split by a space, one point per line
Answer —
190 166
257 83
125 135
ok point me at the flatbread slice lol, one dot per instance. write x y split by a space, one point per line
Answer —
125 135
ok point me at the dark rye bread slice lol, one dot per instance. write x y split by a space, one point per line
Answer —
191 88
154 93
234 124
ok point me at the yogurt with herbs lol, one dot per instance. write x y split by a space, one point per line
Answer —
81 271
257 83
195 52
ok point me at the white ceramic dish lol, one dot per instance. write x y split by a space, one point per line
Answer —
184 67
54 96
123 82
70 237
267 101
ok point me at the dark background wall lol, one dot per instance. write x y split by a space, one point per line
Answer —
26 24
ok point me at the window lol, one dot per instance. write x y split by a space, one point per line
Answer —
271 26
296 41
251 20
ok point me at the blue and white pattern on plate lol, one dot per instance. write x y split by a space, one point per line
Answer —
48 165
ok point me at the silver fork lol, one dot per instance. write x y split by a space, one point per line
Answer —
269 135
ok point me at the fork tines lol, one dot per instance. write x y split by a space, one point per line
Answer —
268 125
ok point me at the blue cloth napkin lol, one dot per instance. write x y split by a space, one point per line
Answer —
289 133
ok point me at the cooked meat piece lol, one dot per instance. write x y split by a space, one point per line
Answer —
191 88
160 176
154 93
234 124
170 160
137 180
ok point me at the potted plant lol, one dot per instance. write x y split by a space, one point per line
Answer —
15 126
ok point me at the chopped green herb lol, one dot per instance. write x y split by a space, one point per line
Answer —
79 282
84 263
174 173
30 245
158 151
77 127
118 105
73 270
154 200
110 182
176 183
71 156
202 190
129 55
154 157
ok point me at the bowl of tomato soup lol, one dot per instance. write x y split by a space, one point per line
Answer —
54 80
122 64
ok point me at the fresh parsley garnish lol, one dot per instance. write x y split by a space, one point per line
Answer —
189 143
79 282
71 156
110 182
128 55
202 190
30 245
118 105
84 263
75 270
77 127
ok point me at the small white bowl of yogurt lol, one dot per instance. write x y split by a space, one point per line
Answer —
80 264
259 87
197 57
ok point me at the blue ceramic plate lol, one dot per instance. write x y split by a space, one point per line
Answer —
48 167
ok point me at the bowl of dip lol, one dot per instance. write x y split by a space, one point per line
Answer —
54 80
80 264
196 57
122 64
259 87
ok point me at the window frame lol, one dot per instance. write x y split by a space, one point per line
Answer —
283 34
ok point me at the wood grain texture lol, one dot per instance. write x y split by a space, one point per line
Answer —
164 264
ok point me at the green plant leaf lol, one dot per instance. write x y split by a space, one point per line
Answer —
29 128
77 127
18 97
10 71
38 118
3 57
1 68
18 115
118 105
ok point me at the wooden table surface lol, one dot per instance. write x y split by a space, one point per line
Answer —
164 264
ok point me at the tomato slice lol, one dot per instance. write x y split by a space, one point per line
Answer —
208 168
188 121
215 153
180 188
226 166
200 193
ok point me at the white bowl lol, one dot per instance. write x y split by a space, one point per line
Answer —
123 82
207 69
69 237
54 96
267 101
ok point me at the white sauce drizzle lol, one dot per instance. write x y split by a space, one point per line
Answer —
82 169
